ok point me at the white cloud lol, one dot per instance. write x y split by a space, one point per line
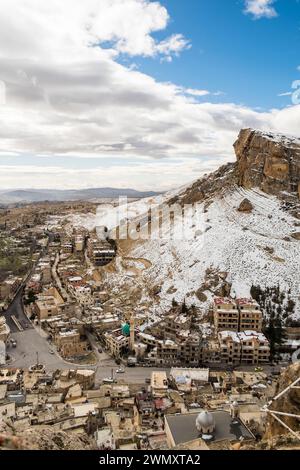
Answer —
286 93
67 98
124 26
172 45
193 92
261 8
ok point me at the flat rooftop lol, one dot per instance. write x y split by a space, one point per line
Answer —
183 428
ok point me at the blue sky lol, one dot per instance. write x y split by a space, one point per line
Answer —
140 93
251 60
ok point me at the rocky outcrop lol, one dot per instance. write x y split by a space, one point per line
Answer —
43 438
208 187
288 403
245 206
296 235
268 161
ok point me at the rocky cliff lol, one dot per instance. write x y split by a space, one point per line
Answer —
288 403
43 438
268 161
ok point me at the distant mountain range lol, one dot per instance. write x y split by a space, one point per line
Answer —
53 195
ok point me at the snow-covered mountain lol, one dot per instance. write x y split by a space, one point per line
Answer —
249 232
245 249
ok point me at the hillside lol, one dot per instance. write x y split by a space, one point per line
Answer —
248 233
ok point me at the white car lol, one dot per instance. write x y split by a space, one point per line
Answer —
120 371
108 380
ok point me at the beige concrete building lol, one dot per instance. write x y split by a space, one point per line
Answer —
69 343
9 287
167 353
116 342
175 324
79 243
226 314
48 304
4 330
248 347
250 315
159 384
239 315
100 251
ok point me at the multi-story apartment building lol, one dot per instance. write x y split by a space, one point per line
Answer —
178 352
191 350
250 315
239 315
167 353
116 342
226 314
48 304
79 241
9 287
100 251
248 347
175 325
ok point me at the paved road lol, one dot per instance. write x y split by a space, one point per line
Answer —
57 280
16 309
29 343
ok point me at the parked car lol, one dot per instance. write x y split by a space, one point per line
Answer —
109 380
14 343
100 350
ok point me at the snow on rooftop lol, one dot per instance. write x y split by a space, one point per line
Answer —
223 301
246 301
242 336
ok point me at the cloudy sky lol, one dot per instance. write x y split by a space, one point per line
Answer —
139 93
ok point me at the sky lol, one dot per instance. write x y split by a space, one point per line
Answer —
137 93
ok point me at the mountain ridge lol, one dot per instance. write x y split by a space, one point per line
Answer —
18 196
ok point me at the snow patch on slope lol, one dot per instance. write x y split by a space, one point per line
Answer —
236 243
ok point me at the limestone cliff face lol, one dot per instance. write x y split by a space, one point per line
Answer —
43 438
288 403
268 161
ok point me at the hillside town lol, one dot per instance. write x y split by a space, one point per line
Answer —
65 300
78 360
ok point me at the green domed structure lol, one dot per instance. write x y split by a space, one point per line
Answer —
126 329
